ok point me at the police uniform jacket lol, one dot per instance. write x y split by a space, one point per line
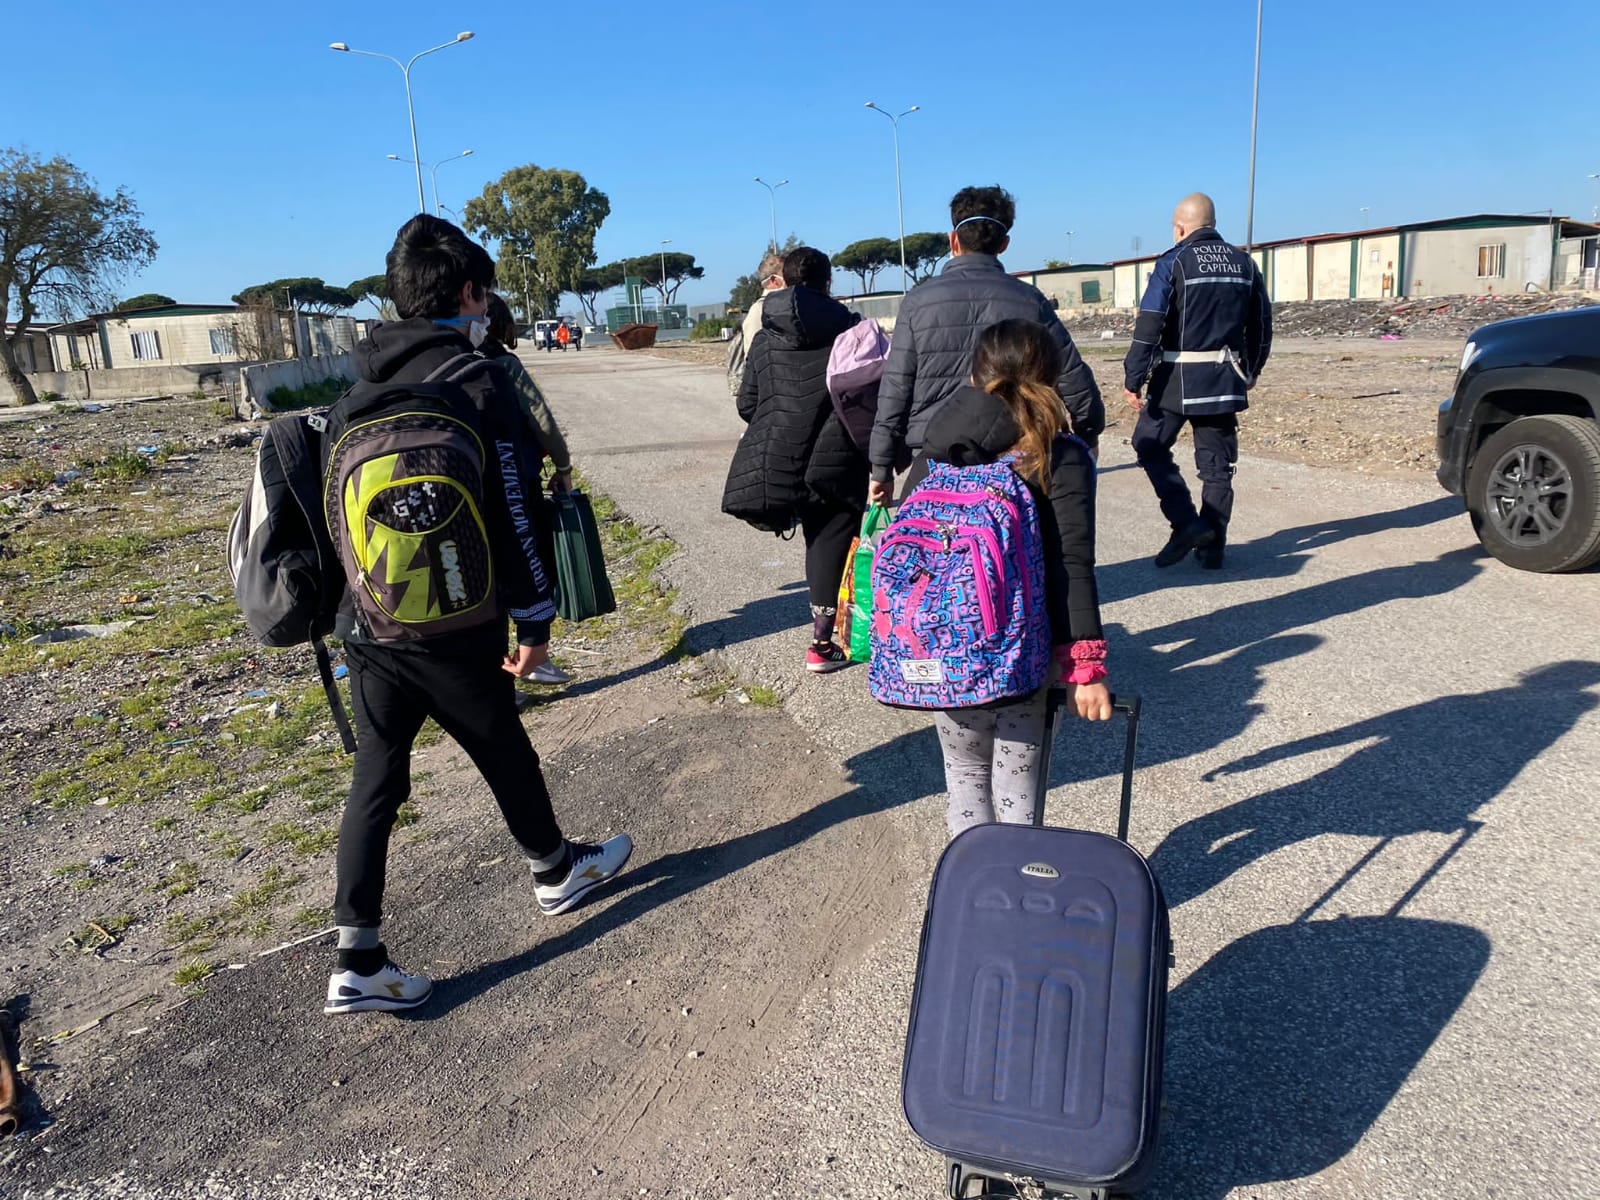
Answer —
1204 329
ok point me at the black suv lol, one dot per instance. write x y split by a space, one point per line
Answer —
1519 439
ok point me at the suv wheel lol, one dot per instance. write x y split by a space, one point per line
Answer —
1534 493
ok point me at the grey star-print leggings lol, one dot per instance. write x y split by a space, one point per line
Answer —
991 761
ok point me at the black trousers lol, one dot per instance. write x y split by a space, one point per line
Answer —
828 532
1216 450
472 699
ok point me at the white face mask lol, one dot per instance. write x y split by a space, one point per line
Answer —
478 331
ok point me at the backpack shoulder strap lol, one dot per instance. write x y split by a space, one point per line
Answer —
455 368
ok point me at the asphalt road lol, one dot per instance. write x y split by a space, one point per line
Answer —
1365 781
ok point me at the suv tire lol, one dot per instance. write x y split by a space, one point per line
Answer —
1534 493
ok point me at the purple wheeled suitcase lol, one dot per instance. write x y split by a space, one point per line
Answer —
1033 1056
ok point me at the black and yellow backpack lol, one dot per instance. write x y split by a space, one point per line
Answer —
403 492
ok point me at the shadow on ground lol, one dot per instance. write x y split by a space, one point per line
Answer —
1285 1048
1429 767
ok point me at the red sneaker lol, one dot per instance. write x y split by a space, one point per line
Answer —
824 657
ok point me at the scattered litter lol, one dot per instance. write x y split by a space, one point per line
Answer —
493 862
256 694
742 697
695 1054
147 449
341 671
102 802
274 710
94 408
191 741
686 1010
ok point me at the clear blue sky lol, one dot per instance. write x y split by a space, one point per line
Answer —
256 152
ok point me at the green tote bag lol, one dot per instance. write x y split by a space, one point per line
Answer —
582 588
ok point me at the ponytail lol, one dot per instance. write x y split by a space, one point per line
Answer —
1039 414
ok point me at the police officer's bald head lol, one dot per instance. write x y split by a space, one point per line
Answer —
1194 211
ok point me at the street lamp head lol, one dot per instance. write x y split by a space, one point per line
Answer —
783 184
914 108
464 153
339 46
870 104
464 37
396 157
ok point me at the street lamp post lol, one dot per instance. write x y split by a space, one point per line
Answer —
1069 247
772 196
1594 213
433 171
411 112
1255 109
905 275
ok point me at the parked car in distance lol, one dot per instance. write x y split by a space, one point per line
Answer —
1519 439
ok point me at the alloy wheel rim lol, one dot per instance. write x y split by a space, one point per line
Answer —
1529 495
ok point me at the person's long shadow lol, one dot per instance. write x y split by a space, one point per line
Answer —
1224 629
1285 1047
901 771
1429 768
1197 707
1276 556
749 622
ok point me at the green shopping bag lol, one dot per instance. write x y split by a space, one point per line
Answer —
582 587
854 622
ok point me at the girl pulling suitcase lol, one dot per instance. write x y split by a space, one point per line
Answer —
984 584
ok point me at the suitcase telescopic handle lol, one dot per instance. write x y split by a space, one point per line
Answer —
1130 707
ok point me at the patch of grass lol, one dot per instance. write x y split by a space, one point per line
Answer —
206 801
193 972
303 840
162 824
123 466
192 935
312 918
125 775
763 697
84 882
297 720
274 883
406 815
714 688
252 801
68 870
225 843
182 879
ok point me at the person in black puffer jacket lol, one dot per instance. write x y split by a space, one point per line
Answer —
795 462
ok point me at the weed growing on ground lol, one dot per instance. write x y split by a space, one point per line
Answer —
763 697
193 972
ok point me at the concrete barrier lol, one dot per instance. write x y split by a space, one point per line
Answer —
130 383
260 380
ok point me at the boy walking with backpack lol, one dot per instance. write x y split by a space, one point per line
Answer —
432 500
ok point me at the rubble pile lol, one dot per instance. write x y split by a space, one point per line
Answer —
1418 317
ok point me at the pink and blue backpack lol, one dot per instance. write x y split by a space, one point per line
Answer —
958 609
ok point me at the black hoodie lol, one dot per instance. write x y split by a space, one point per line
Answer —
974 427
784 399
514 511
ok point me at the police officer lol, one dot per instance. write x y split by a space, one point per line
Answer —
1201 340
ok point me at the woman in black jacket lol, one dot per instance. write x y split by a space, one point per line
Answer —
795 462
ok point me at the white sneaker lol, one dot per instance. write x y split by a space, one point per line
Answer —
389 990
548 672
592 865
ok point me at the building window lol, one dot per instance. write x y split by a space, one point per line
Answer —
222 341
146 345
1091 291
1492 261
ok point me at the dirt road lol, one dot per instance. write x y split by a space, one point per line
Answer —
1363 783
